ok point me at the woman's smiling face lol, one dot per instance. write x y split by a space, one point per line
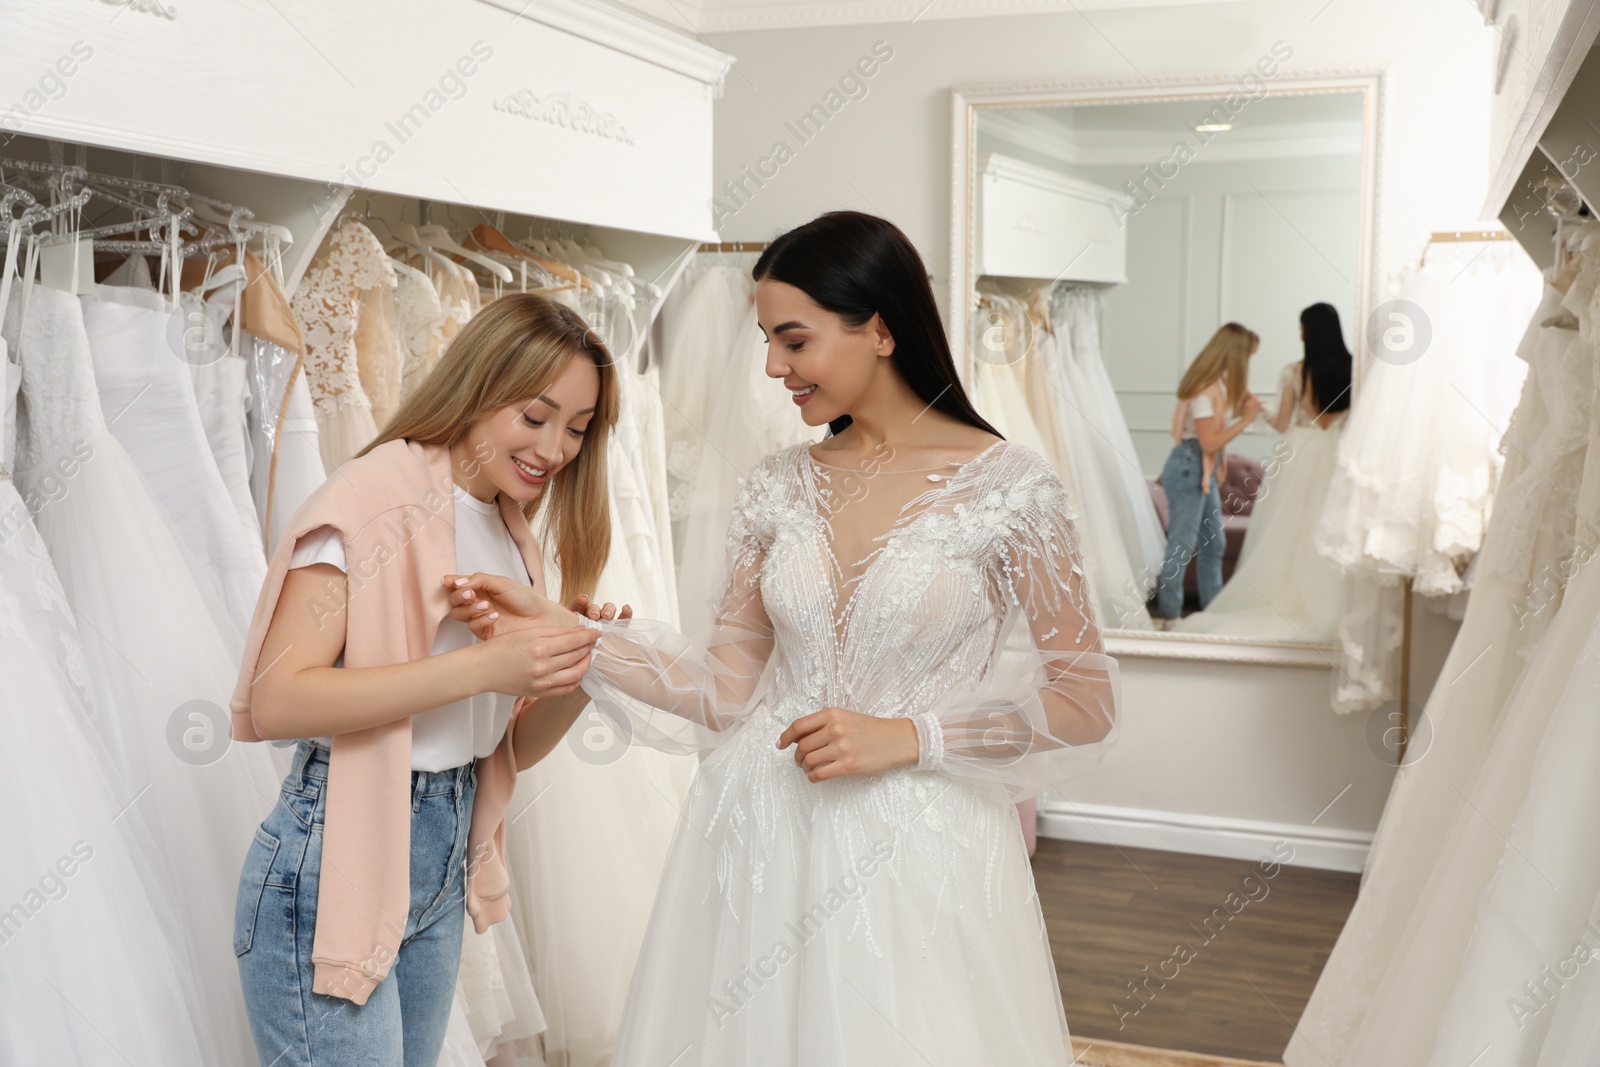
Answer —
518 448
827 365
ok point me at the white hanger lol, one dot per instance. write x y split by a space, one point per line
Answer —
437 237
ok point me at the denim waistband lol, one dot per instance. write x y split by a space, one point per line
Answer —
311 761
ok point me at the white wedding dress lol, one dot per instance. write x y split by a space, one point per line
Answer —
141 351
586 840
329 303
1117 579
92 963
879 920
748 416
161 674
1282 588
1380 997
1077 310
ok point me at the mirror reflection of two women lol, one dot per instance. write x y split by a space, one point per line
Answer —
1281 588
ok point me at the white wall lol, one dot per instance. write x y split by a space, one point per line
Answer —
1252 242
888 150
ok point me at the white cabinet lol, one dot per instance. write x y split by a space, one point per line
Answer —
1033 222
563 109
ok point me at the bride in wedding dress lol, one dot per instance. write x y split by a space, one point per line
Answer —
852 885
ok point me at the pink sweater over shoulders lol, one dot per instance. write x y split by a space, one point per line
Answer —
395 510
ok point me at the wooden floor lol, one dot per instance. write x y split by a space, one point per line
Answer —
1221 957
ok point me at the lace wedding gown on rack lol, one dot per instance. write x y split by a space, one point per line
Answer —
160 672
1283 589
889 919
329 303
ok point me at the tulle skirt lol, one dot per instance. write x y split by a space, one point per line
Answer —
872 921
92 963
1283 589
161 680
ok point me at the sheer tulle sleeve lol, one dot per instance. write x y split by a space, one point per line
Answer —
1047 705
680 694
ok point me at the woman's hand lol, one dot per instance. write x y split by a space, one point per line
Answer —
834 742
1250 408
583 605
491 604
539 660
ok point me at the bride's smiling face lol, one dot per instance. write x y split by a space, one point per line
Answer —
828 366
517 449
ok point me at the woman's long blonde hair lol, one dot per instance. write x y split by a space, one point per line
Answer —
510 352
1226 356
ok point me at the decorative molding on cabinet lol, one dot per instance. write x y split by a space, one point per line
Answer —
727 17
630 34
567 110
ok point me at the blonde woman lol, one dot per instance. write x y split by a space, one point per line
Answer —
1212 388
348 925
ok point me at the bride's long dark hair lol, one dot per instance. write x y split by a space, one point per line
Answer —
857 265
1327 366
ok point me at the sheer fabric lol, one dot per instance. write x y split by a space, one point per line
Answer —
907 622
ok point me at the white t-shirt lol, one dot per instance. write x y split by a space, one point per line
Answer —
1200 407
457 733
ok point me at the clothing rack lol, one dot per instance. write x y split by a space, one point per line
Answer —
1452 236
733 246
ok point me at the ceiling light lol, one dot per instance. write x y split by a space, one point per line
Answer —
1213 127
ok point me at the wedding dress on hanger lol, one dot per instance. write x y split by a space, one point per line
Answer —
329 304
1480 959
698 324
222 393
585 844
1419 462
419 322
1409 913
141 360
92 962
1117 583
160 671
1077 310
1282 588
751 415
800 924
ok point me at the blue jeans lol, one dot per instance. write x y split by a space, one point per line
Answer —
1194 529
403 1022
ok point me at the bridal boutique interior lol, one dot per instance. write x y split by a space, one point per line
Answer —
1344 821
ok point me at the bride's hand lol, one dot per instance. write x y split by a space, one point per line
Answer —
492 604
834 742
583 605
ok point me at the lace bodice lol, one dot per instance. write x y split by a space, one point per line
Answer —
419 322
60 407
328 304
968 612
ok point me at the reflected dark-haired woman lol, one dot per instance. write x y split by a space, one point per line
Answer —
904 648
1282 588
